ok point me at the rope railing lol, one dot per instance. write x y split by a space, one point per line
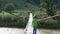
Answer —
38 19
49 17
15 15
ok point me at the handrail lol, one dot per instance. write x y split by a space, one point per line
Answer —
49 17
38 19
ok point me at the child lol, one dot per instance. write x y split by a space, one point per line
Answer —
35 24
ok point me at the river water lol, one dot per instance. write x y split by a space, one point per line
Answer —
20 30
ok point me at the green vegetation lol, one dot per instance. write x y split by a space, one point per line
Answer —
15 13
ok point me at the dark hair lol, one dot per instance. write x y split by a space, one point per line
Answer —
35 17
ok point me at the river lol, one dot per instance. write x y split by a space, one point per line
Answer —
20 30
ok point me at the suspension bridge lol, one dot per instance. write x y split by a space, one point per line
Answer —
29 26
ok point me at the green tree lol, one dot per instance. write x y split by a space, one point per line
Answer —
49 5
1 5
9 7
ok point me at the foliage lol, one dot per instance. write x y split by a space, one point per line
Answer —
50 7
9 7
15 13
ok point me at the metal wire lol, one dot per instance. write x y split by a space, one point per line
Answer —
38 19
49 17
